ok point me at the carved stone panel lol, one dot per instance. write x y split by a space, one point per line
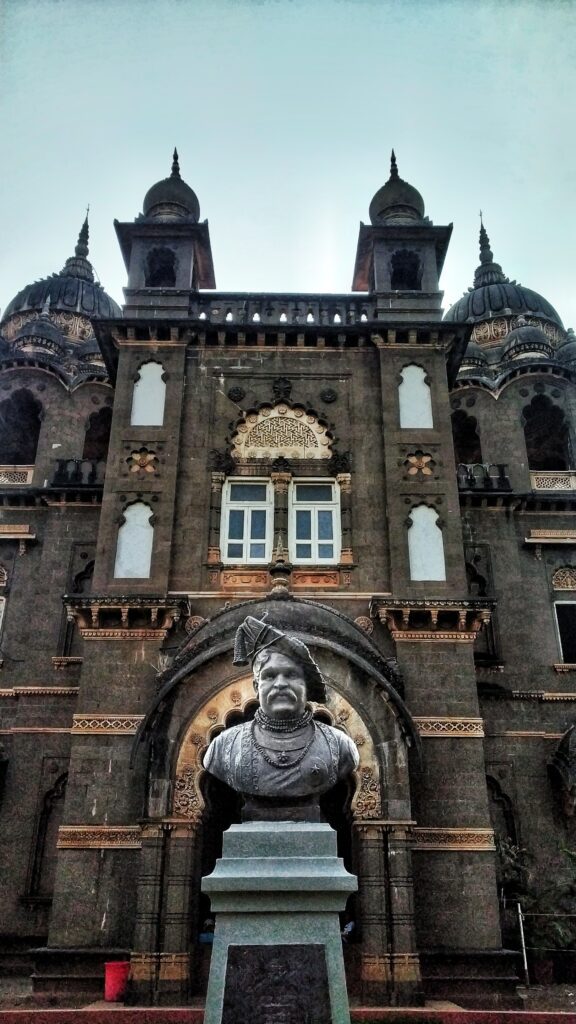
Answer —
285 984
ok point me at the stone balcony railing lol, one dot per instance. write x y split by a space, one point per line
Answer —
483 476
553 480
78 473
15 476
289 309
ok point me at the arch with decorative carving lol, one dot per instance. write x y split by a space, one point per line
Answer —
281 431
564 578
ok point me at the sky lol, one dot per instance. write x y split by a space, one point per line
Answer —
284 113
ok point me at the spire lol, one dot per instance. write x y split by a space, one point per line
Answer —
175 164
82 243
393 166
46 307
488 272
79 265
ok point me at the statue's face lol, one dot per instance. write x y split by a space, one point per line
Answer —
282 687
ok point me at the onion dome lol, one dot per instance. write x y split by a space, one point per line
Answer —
494 294
73 290
566 352
397 202
526 341
40 335
171 198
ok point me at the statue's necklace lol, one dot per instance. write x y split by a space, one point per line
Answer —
282 761
291 724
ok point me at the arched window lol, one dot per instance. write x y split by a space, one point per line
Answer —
19 429
160 268
406 272
98 435
467 448
414 397
546 433
425 545
148 397
134 547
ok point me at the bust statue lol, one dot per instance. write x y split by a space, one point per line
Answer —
283 760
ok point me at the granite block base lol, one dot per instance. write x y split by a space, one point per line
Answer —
277 893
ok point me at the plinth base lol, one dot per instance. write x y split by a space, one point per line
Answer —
277 956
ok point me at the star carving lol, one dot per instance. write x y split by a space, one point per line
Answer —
419 462
142 461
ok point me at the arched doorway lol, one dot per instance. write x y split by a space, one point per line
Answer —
203 694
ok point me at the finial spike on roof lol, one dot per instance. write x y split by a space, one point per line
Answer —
393 165
82 244
46 306
175 164
486 255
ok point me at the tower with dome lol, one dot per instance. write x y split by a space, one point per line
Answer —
388 482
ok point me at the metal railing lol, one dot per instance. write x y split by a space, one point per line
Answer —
482 476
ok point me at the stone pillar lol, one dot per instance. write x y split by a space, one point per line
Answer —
280 482
345 482
389 965
214 553
174 980
374 922
404 960
144 960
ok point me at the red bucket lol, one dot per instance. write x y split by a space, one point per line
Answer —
115 980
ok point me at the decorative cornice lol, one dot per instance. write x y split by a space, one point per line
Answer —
449 728
543 697
17 531
525 734
564 666
99 837
121 725
453 839
40 691
159 612
433 620
66 662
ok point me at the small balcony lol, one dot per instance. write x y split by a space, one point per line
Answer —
15 476
553 480
78 473
482 476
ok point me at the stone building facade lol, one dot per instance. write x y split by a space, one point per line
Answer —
393 485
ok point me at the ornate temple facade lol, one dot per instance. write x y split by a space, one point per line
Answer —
391 483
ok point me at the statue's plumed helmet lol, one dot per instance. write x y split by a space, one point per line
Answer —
255 636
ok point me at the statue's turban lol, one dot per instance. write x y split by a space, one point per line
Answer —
255 636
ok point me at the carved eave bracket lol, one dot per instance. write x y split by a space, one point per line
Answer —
432 620
105 617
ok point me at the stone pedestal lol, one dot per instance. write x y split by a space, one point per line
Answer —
277 954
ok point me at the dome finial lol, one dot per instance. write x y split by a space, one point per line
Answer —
175 164
488 272
82 243
393 166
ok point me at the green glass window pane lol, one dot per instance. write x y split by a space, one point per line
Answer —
325 531
313 492
248 492
325 551
258 524
303 551
303 524
257 551
236 524
235 551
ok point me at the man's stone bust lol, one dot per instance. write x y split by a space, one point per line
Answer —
283 760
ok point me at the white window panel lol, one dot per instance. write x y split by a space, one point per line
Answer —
247 521
314 535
